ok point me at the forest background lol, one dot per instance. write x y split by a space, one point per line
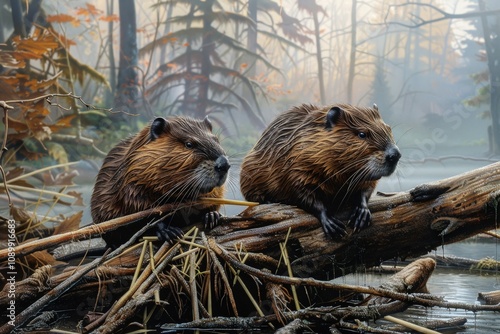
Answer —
428 65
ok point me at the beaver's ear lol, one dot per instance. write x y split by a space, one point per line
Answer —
332 117
208 123
159 126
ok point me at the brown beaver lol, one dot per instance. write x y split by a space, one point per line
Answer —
321 159
171 161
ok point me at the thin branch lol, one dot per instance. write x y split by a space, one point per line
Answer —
4 149
445 15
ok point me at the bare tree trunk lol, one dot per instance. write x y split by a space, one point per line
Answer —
319 58
207 49
17 18
252 34
190 98
492 44
127 93
111 54
352 58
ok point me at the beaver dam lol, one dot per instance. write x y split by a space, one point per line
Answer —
268 268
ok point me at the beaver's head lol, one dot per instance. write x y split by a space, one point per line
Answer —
180 159
363 140
346 145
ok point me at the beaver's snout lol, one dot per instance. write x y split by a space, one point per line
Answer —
391 158
392 155
221 165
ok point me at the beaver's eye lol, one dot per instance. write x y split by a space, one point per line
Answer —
189 144
362 135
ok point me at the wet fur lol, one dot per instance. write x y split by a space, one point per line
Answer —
141 173
299 160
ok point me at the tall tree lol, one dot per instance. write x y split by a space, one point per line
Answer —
491 29
110 94
314 9
352 57
127 93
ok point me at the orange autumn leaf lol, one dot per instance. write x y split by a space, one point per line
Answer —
88 10
186 44
65 121
78 198
41 258
60 18
69 224
110 18
36 45
17 125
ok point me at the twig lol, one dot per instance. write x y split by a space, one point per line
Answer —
445 15
49 96
222 273
410 325
175 271
4 149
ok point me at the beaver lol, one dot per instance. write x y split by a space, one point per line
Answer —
321 159
170 161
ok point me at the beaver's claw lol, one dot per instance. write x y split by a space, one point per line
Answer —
168 233
361 217
211 219
332 226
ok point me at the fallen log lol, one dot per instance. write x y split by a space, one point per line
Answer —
405 224
489 298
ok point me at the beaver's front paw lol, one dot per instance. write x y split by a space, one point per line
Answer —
168 233
361 217
211 219
332 226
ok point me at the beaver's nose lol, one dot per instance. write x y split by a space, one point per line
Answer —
222 165
392 154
